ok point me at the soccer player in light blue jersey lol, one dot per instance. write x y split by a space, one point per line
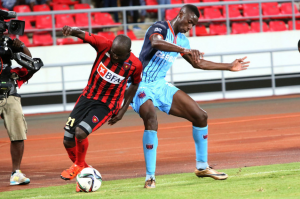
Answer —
164 40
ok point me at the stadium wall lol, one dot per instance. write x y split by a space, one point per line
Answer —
48 79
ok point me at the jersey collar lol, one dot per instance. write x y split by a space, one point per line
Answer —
172 30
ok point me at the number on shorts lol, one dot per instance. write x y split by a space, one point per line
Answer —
72 120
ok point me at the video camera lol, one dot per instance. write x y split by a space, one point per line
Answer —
15 27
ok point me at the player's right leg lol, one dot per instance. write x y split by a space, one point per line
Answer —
150 141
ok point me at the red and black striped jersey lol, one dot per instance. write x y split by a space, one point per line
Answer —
107 81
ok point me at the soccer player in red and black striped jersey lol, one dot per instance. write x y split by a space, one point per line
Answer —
102 98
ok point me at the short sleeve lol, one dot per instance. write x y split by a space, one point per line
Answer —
185 44
97 41
157 28
136 76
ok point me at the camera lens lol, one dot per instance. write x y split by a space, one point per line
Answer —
14 26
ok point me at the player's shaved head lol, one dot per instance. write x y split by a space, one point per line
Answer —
122 42
190 9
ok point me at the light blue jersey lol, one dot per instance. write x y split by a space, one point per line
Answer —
156 63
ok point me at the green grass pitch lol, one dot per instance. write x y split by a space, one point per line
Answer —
274 181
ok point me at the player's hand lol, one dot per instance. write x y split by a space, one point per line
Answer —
67 30
239 64
196 54
115 118
17 43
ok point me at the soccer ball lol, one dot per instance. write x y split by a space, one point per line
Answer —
89 180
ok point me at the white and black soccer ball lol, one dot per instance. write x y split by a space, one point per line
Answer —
89 180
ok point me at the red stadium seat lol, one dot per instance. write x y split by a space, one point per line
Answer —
69 40
176 1
68 2
82 6
62 20
286 9
60 7
43 22
28 26
171 13
130 34
82 20
251 10
255 27
297 25
212 13
151 3
206 1
41 8
109 35
218 29
240 28
42 39
277 26
271 9
24 8
234 12
191 1
103 18
200 31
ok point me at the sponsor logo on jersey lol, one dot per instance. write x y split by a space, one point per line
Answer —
204 136
157 30
164 56
109 75
95 119
126 65
142 94
149 146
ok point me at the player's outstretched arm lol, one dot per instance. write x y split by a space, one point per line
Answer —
129 94
159 43
236 65
73 31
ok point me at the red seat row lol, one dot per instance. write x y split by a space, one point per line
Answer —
243 28
45 38
249 11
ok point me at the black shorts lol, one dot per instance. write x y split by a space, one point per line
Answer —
88 115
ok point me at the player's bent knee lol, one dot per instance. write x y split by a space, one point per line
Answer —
80 134
69 144
151 123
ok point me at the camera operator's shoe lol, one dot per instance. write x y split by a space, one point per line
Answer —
209 172
150 184
71 173
18 178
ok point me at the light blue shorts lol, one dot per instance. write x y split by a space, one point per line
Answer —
159 92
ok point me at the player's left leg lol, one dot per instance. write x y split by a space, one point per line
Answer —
184 106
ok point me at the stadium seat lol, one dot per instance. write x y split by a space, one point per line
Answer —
42 39
82 6
151 3
270 9
68 2
28 26
255 27
176 1
200 31
130 34
103 18
217 29
109 35
277 26
44 22
212 13
69 40
171 13
297 25
191 1
41 8
82 20
240 28
286 9
234 12
62 20
60 7
24 8
251 10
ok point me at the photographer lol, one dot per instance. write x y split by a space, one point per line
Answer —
11 113
10 100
